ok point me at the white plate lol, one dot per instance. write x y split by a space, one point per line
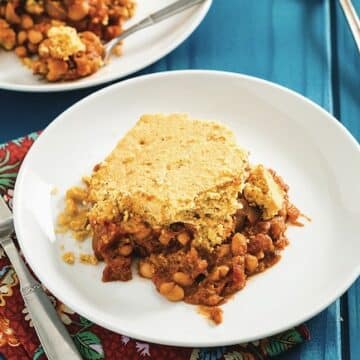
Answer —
139 51
307 146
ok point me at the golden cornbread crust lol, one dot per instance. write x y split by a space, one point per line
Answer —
262 190
63 42
171 168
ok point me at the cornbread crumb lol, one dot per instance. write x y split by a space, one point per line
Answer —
171 168
69 257
88 259
262 190
62 42
62 247
54 190
75 215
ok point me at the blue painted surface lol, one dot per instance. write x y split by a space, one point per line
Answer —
302 44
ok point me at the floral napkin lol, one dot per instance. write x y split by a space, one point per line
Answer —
18 340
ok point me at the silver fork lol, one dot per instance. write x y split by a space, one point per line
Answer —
156 17
54 338
352 19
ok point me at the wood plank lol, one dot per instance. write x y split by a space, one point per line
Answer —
348 108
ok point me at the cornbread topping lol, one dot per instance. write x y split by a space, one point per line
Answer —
171 169
62 42
262 190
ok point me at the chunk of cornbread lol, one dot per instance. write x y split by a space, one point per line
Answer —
170 168
262 190
62 42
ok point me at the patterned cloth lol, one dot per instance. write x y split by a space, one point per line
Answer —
18 340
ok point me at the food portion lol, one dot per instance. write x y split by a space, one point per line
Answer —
180 197
62 39
171 169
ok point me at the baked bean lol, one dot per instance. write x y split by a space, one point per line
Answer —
238 244
21 37
219 272
266 242
35 37
223 250
10 14
171 291
78 10
26 22
216 315
278 227
182 278
214 300
263 226
21 51
146 269
125 250
183 238
251 263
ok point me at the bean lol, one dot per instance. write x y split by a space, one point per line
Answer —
35 37
278 227
21 37
78 10
223 250
26 21
219 272
214 300
125 250
10 14
238 244
171 291
21 51
182 278
251 263
146 269
183 238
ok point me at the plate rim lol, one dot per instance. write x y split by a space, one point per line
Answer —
76 85
351 277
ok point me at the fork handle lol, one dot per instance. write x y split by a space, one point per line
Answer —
154 18
54 338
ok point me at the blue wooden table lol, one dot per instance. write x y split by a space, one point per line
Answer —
302 44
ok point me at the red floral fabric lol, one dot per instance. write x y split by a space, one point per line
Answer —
18 340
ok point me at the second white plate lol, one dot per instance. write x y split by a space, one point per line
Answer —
139 51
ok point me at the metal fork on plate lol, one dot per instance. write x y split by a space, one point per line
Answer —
55 339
